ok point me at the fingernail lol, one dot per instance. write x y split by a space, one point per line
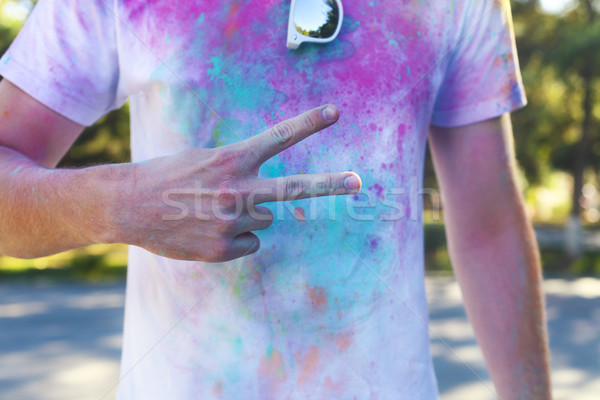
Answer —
352 183
329 113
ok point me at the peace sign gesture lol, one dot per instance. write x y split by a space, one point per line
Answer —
222 186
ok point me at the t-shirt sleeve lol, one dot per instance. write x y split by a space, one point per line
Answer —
482 79
66 57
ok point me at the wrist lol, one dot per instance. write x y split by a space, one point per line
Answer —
107 186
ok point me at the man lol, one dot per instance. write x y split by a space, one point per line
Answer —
332 305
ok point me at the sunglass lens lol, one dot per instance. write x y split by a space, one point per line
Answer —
316 18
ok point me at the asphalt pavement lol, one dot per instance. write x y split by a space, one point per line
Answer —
64 341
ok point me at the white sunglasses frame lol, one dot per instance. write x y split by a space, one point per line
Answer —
295 38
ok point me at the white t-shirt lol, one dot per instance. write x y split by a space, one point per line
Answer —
332 307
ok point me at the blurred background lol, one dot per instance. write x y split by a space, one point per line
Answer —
557 139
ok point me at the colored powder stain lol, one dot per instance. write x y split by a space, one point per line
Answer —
299 214
5 113
271 367
237 345
408 69
216 69
14 171
393 42
335 388
218 389
308 365
230 28
377 189
167 39
217 133
201 18
343 341
317 298
7 60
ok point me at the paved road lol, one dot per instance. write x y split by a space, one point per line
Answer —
63 342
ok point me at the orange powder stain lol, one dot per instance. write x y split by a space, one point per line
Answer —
308 364
5 113
335 388
343 340
317 297
232 26
271 367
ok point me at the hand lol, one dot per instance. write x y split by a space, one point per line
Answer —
222 186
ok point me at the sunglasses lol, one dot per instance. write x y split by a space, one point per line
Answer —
316 21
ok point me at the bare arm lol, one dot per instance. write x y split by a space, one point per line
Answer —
494 253
45 210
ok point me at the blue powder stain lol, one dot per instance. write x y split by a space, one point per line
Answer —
270 350
14 171
33 189
167 39
393 42
201 18
516 97
7 60
418 33
408 69
216 69
237 344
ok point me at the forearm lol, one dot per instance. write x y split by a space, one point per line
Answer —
498 268
45 211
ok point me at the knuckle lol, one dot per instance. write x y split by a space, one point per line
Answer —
227 198
224 158
282 133
221 249
326 185
295 188
224 226
309 122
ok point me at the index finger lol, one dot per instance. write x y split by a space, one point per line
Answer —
289 132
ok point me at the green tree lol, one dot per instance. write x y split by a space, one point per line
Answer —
559 57
104 142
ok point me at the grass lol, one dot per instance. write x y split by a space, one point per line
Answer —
105 263
100 263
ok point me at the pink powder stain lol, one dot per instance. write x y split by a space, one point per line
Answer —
377 189
374 243
218 389
401 130
308 364
318 298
